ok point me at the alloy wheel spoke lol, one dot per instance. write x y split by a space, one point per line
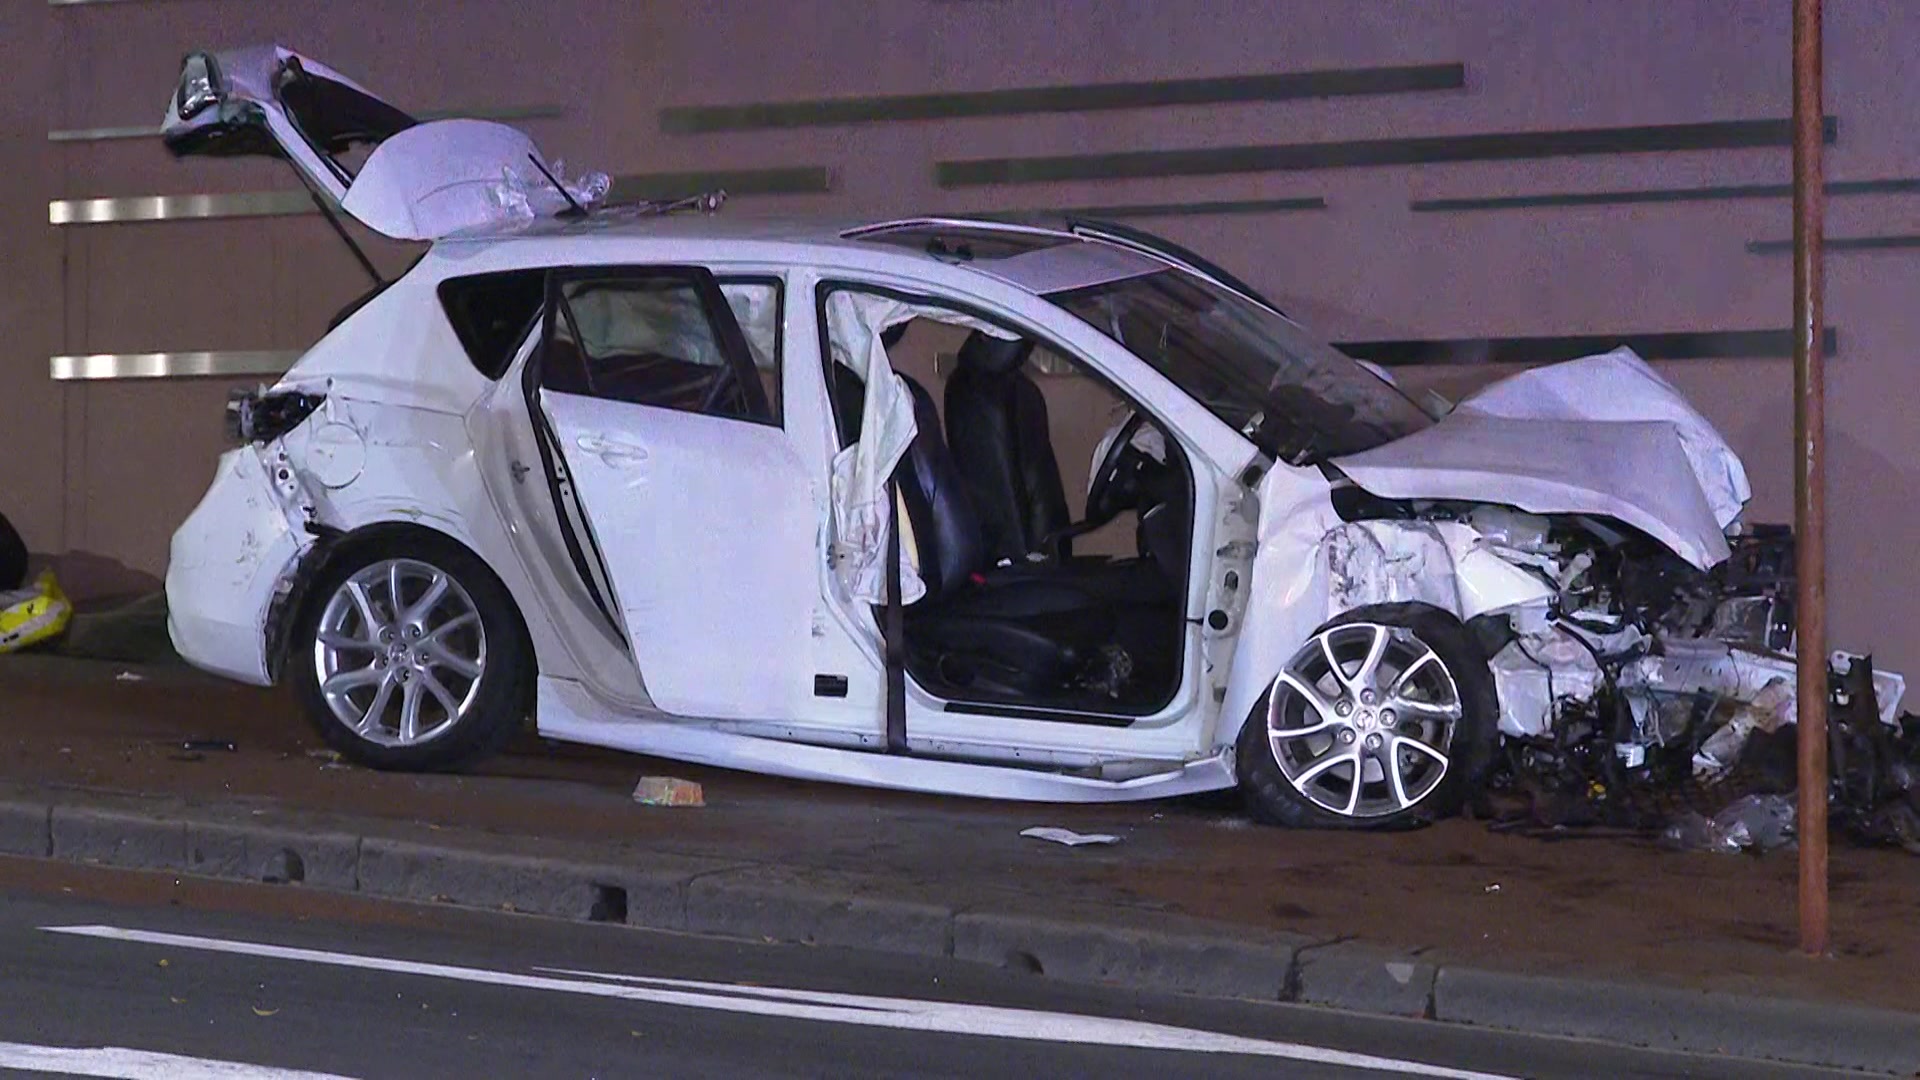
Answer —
1390 764
1333 662
434 636
441 694
393 588
419 609
352 679
334 639
1320 705
409 710
1425 708
377 710
1400 683
441 656
1327 761
1359 781
1416 744
364 604
1376 648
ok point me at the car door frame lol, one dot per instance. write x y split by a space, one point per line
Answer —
1183 728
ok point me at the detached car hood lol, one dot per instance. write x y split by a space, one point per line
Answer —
1605 435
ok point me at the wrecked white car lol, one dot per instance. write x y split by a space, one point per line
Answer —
786 497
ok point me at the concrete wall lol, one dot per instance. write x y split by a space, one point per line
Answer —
112 466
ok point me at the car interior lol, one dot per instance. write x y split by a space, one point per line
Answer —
1036 596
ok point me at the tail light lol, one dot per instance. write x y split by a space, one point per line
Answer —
258 416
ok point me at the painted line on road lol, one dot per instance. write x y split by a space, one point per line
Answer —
906 1014
124 1064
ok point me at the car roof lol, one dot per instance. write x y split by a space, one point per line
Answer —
913 244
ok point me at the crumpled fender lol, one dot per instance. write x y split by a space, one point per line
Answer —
1312 566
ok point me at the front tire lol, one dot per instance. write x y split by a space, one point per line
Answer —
1383 719
411 655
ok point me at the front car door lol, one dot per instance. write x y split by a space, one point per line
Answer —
692 497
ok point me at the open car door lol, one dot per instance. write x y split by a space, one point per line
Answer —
696 503
418 181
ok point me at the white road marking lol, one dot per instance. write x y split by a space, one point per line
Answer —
124 1064
898 1013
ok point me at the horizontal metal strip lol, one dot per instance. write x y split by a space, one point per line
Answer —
1423 150
172 365
1669 345
1191 209
1016 101
136 131
1895 242
107 211
1659 195
178 207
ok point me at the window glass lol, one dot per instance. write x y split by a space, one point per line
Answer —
492 314
651 340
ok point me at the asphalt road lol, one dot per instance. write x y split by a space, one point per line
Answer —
115 974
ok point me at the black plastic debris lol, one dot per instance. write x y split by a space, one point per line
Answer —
1577 778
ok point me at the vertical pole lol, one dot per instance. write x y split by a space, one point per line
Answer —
1810 517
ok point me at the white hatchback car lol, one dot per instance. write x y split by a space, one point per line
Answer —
635 470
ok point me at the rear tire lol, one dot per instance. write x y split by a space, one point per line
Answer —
410 654
1384 719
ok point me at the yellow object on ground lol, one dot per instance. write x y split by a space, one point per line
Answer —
30 616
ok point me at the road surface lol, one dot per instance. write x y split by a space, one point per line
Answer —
117 974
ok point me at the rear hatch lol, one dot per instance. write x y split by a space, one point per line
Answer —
401 177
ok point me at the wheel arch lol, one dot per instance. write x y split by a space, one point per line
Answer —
329 549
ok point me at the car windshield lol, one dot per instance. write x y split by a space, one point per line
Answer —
1297 398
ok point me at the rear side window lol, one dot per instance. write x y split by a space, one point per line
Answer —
493 313
657 337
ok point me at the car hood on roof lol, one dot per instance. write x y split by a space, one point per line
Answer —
1605 436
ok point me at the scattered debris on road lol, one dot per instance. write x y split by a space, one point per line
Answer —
129 676
1068 836
668 791
223 745
1714 770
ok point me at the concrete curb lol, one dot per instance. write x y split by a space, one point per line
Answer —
1103 945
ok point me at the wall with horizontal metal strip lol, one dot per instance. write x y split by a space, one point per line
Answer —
1456 190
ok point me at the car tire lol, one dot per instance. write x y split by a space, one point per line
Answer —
449 665
1426 708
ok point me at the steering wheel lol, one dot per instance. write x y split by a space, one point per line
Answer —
1116 480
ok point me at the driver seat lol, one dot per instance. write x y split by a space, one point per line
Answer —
1003 446
1006 628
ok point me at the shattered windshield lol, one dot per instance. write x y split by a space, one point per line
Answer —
1297 398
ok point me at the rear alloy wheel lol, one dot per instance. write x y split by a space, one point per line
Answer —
414 661
1380 719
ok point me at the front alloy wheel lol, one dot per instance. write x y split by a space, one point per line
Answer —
1369 722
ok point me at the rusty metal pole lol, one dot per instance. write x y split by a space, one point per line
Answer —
1810 514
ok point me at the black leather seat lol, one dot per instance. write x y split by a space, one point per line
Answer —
1003 446
1009 628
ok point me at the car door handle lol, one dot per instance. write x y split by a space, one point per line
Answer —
614 453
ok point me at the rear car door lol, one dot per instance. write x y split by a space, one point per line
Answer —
691 493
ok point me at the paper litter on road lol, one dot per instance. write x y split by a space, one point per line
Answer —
128 676
1068 836
668 791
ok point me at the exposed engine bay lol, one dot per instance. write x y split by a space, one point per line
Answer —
1647 688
